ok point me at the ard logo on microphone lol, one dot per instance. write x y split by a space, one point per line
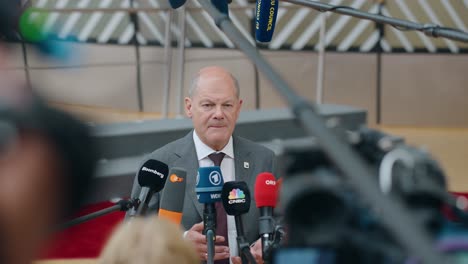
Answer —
174 178
236 196
215 178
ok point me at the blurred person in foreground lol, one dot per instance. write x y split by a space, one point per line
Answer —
47 160
148 240
46 164
213 105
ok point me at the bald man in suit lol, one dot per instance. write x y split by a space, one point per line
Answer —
213 105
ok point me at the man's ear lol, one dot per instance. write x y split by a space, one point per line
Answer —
240 105
188 107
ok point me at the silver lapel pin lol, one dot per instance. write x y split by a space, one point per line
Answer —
246 165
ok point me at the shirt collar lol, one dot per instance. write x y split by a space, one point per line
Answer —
203 150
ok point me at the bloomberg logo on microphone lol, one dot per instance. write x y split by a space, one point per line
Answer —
236 196
153 171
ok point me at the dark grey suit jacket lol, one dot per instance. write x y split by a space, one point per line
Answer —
181 153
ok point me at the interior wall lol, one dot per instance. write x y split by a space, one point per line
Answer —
416 89
425 90
94 75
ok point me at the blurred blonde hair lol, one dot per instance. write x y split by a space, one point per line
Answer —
148 240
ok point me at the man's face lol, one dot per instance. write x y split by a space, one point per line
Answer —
214 108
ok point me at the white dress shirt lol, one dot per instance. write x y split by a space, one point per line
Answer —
228 171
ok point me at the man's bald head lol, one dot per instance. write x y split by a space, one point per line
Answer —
214 106
213 72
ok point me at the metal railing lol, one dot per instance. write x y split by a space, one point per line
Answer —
183 13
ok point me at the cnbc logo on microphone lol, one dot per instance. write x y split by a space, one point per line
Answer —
236 196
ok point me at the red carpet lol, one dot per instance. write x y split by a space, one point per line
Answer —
85 240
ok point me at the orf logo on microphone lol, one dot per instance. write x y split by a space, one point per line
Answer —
270 182
215 178
174 178
236 196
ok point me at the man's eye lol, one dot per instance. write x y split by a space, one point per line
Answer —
207 105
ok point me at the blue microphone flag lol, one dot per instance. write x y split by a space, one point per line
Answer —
209 184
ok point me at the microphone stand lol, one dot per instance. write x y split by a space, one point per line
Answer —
122 205
242 244
209 221
210 238
273 243
396 218
266 228
431 30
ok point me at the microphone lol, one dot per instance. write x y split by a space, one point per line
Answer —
151 177
173 195
18 24
209 186
266 194
177 3
236 202
221 5
265 19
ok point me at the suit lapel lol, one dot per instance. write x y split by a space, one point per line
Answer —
243 163
190 163
245 168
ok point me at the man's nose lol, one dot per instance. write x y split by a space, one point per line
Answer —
218 114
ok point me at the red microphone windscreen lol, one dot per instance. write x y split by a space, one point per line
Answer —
266 190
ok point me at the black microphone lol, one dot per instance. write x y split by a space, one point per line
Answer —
221 5
151 177
265 19
177 3
173 195
236 201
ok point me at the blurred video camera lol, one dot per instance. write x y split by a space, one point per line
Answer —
327 222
